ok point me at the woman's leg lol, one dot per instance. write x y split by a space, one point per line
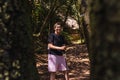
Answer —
52 66
66 75
52 76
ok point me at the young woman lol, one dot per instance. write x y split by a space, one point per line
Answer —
56 47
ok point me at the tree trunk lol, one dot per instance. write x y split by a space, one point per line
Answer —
16 46
105 40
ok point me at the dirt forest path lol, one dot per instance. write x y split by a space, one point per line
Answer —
77 60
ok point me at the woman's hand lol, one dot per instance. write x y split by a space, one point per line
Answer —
62 47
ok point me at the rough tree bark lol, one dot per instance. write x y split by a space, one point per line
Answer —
105 39
16 48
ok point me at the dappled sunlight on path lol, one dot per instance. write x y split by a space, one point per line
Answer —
77 60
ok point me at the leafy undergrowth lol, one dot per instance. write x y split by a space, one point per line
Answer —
77 60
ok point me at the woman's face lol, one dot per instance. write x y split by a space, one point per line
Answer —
58 28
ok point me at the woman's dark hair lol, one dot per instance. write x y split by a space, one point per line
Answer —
58 23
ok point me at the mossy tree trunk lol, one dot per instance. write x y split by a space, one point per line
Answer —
105 39
16 45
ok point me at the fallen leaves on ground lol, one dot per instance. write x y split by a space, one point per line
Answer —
77 60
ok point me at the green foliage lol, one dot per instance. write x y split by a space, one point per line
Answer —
46 12
67 37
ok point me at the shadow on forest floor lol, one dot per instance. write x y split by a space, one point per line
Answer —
77 60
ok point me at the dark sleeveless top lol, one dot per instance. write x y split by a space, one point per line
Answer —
57 40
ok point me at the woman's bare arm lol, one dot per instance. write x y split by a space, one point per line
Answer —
50 45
